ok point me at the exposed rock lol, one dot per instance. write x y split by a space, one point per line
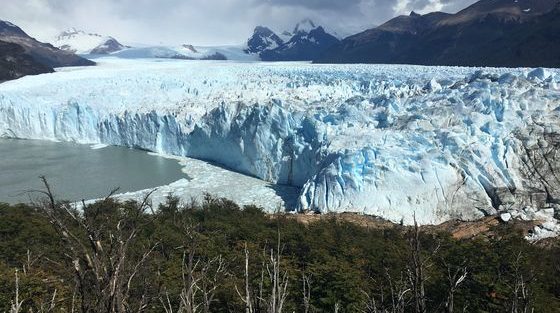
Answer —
111 45
191 48
521 198
14 63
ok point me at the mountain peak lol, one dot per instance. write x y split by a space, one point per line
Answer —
8 24
263 30
305 25
9 28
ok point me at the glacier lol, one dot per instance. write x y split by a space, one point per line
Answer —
396 141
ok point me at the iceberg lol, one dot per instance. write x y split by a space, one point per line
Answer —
396 141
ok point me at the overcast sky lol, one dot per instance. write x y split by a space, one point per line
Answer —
204 22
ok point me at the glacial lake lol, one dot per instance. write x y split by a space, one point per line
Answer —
77 172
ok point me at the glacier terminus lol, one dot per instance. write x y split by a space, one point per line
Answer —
394 141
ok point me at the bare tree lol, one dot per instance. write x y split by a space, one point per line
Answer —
29 262
166 303
247 297
417 268
98 243
399 294
189 292
369 305
400 290
455 277
306 292
16 302
201 279
212 274
272 300
50 305
336 307
200 276
279 281
42 305
521 295
278 278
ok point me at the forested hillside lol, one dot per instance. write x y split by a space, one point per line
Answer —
215 257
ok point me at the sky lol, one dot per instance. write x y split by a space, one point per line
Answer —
205 22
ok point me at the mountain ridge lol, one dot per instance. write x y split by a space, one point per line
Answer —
474 36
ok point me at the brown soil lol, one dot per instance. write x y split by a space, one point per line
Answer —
458 229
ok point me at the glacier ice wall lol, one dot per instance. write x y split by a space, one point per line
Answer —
392 141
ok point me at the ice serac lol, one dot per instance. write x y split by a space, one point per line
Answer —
392 141
267 141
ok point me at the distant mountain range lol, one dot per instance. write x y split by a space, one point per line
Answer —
510 33
94 45
305 43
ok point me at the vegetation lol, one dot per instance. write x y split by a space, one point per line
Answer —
216 257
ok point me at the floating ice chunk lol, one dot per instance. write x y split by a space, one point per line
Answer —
98 146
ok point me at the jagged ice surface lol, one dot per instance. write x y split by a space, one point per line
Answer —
393 141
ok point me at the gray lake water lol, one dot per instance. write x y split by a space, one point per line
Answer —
78 172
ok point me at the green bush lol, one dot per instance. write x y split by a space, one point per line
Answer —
347 264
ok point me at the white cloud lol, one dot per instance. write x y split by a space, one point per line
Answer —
202 22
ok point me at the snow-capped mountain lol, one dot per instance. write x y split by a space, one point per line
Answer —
96 45
303 46
306 42
80 42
